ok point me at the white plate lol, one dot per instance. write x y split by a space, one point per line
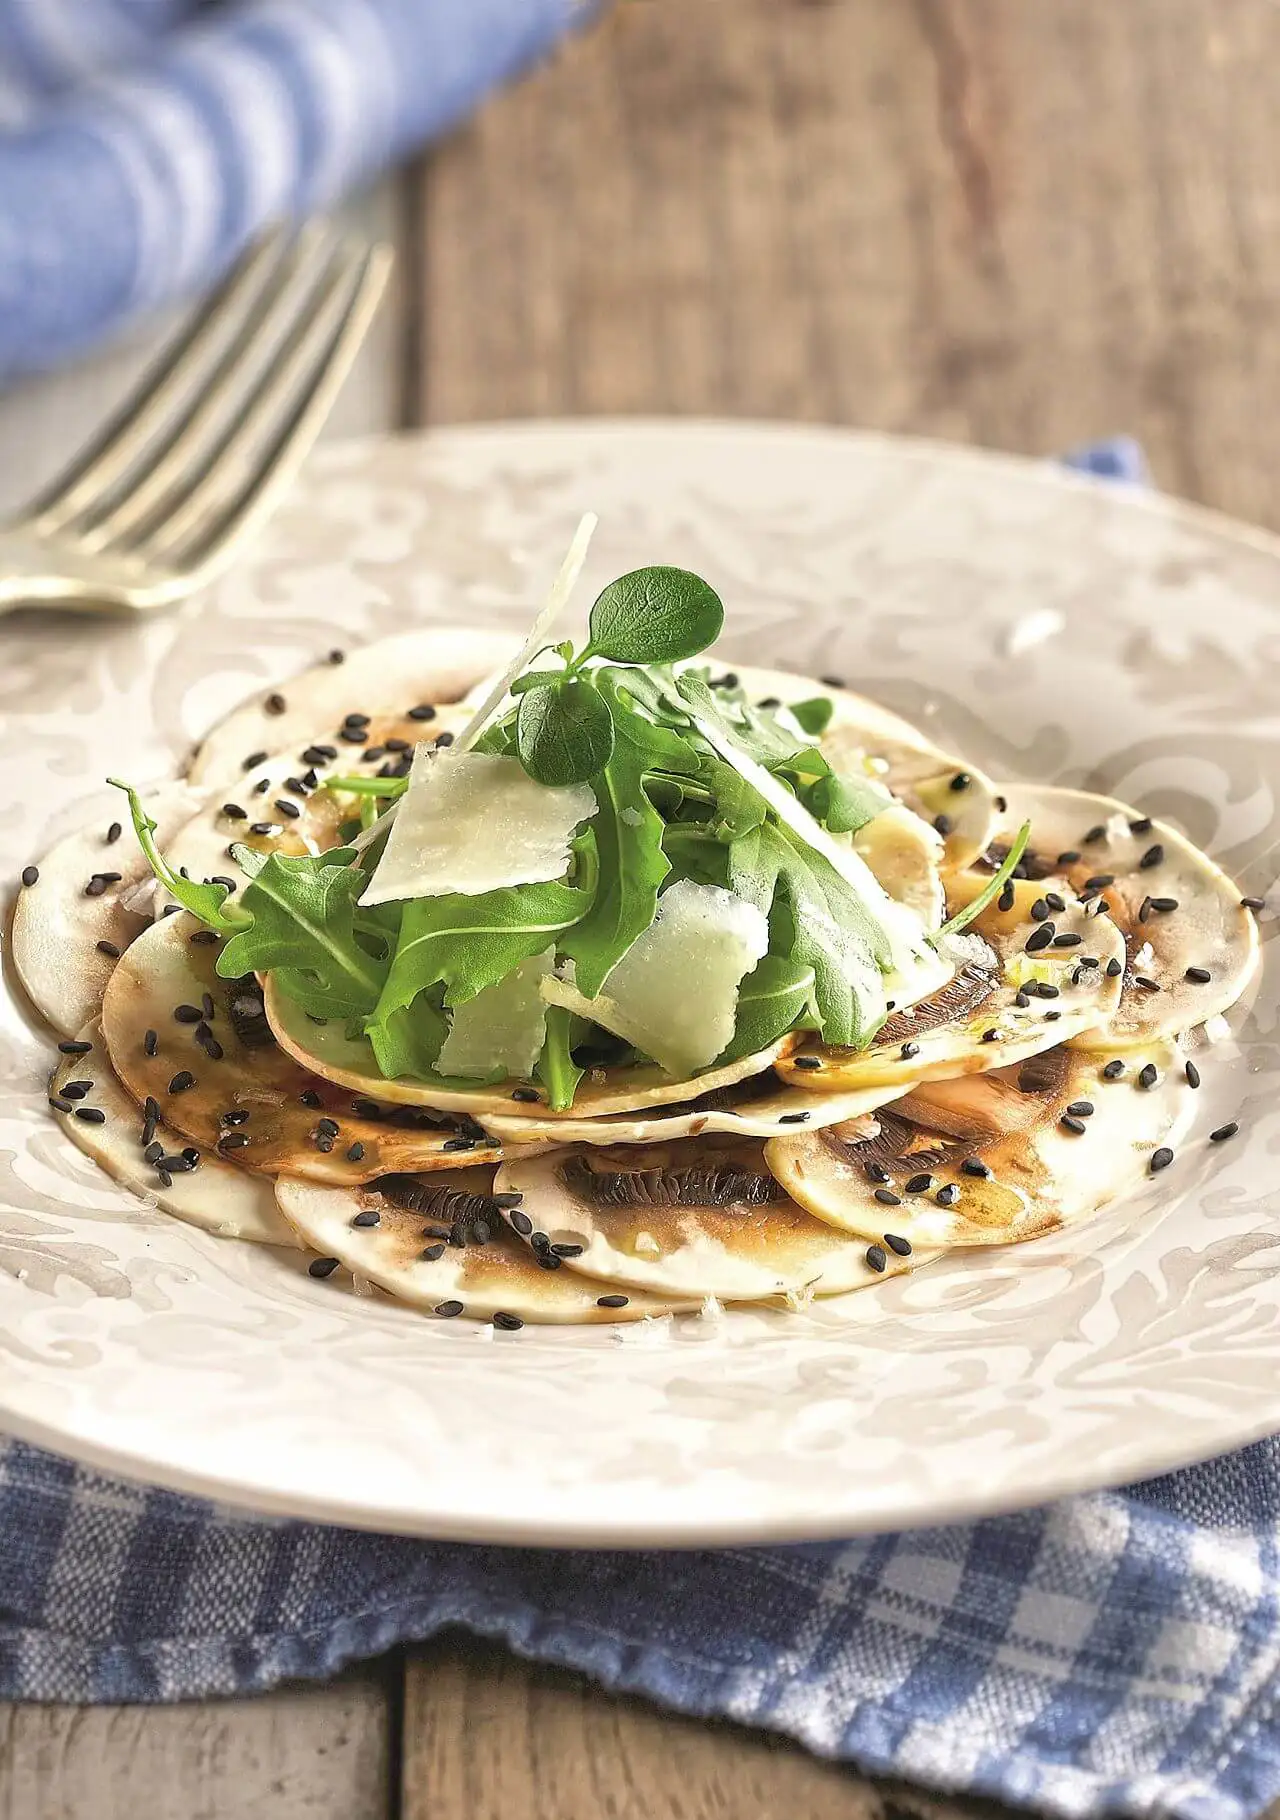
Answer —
1044 626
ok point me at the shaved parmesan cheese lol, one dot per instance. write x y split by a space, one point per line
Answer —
674 994
557 601
501 1030
473 822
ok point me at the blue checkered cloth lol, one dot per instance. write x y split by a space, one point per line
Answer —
143 143
1111 1654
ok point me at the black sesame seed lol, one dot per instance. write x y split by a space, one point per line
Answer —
887 1198
233 812
322 1267
1045 990
324 1145
878 1173
233 1140
309 1097
1148 1076
1114 968
1219 1136
336 657
182 1080
1068 940
275 703
436 1232
1002 803
961 780
919 1184
1100 881
92 1115
1022 998
30 875
908 1050
76 1090
1040 938
1163 904
447 1310
152 1151
423 711
1113 1070
165 1179
355 720
770 702
948 1195
296 786
318 755
525 1095
1141 826
511 1199
973 1165
540 1242
262 786
507 1323
431 1254
1081 1109
1199 976
1095 834
309 779
366 1109
1148 985
235 1118
176 1165
372 754
612 1301
444 739
1246 903
1007 897
1160 1159
1055 903
219 879
187 1014
568 1251
287 808
1192 1074
399 745
1070 1123
900 1246
151 1108
327 1127
95 887
943 824
109 949
1040 910
113 834
794 1118
59 1103
991 1036
1070 858
807 1061
458 1143
876 1259
1088 960
253 761
1154 856
369 1216
1052 1017
355 1153
262 827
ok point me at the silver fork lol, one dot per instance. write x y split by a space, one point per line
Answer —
200 452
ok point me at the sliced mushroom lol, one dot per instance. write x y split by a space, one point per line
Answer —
997 1158
205 1192
390 1233
60 920
1180 915
225 1083
382 680
281 805
327 1050
1003 1004
698 1218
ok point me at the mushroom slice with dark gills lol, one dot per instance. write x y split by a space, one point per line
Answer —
282 806
155 1160
996 1158
383 681
1020 986
349 1062
396 1233
1191 946
703 1217
222 1080
78 909
758 1107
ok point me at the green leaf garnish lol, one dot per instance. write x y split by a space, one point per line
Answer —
556 1069
303 931
207 902
564 734
813 715
994 885
654 616
773 999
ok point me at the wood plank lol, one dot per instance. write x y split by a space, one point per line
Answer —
1023 226
45 419
313 1753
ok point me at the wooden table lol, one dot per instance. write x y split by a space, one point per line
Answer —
1017 224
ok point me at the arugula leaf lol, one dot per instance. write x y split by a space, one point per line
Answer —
844 804
303 931
824 927
556 1069
991 889
467 943
536 679
208 903
813 715
654 616
771 1000
409 1041
628 835
564 733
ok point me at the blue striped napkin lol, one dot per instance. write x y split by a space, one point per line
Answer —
143 143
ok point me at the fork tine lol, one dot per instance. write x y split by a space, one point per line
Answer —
134 421
168 463
201 551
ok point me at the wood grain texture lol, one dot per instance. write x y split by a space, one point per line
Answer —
1023 226
321 1753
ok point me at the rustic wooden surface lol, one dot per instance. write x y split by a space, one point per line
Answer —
1021 225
